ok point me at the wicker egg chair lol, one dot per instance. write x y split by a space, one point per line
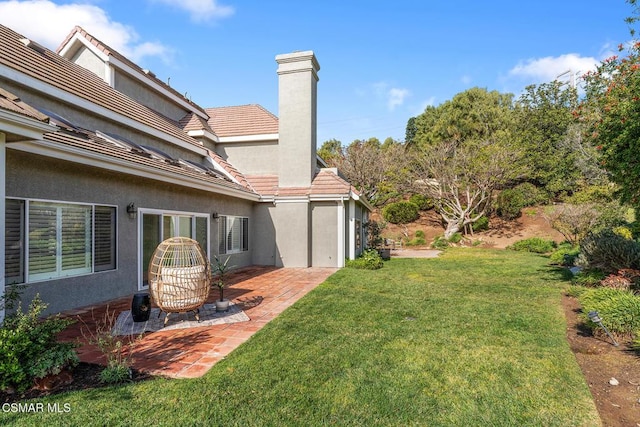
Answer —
179 277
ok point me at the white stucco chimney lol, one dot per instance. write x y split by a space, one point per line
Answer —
297 106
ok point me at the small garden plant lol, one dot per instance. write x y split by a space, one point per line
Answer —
370 259
29 348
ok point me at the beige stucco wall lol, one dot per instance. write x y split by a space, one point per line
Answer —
251 158
134 89
89 60
264 235
32 176
324 241
293 234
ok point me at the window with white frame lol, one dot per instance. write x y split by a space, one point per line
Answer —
48 240
233 234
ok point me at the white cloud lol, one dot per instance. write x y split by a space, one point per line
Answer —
466 79
49 24
549 68
430 102
200 10
393 96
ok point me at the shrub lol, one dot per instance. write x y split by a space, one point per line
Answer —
481 224
422 202
573 221
455 238
609 252
113 347
624 232
619 309
531 195
534 244
509 204
418 240
589 278
440 243
592 194
28 347
370 259
400 212
565 254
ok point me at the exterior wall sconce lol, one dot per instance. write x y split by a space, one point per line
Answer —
132 210
595 318
215 215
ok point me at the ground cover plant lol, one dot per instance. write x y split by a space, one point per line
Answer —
475 337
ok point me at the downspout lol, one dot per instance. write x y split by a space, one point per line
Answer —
341 233
352 229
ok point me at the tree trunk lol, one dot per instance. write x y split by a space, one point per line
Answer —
452 228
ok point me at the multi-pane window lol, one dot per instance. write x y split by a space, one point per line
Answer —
48 240
233 234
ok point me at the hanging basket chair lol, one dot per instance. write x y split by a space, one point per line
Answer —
179 276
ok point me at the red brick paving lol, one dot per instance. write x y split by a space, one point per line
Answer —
262 292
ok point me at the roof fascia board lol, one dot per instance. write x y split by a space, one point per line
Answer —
62 152
202 133
26 127
250 138
53 91
77 38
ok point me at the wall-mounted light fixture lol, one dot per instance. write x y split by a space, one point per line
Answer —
215 215
595 318
132 210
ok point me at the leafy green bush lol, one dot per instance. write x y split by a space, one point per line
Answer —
455 238
592 194
576 290
28 347
624 232
418 240
619 309
370 259
115 374
531 195
440 243
534 244
589 278
609 252
565 254
422 202
511 200
509 204
481 224
400 212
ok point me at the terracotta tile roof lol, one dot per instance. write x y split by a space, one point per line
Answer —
90 142
50 68
325 183
114 53
242 120
193 122
229 168
10 102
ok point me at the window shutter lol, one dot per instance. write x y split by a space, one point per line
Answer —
245 234
222 235
76 238
14 241
105 238
43 220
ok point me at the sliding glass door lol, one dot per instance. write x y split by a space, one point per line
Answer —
157 226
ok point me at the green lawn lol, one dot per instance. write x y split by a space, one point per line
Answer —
473 338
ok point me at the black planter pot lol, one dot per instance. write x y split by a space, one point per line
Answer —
385 253
140 307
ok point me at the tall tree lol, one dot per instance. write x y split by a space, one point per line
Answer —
612 109
330 151
462 178
544 115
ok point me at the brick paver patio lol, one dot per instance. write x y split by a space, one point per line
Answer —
262 292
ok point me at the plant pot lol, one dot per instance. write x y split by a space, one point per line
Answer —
222 305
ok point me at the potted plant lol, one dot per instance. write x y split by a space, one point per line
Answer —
221 268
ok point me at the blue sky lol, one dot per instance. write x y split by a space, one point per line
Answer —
381 62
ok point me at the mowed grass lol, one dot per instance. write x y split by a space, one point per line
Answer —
473 338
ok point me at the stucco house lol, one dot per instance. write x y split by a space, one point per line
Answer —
101 161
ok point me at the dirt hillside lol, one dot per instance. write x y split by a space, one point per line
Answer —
500 234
